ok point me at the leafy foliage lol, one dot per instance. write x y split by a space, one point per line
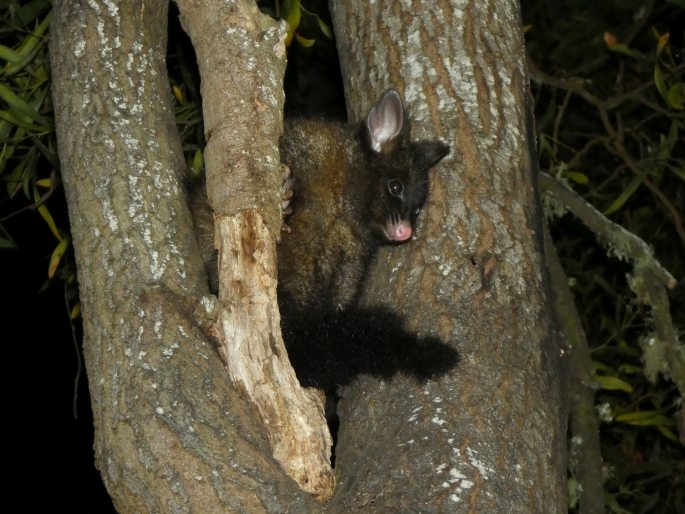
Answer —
28 159
609 81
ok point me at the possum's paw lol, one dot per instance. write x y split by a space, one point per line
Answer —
287 195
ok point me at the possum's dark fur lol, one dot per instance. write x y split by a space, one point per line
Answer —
356 187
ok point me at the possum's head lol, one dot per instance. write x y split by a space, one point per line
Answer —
398 169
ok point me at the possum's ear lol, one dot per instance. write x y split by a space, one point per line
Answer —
428 153
385 120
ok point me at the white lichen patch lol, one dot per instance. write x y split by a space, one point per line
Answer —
157 327
576 440
109 215
168 352
456 475
604 412
159 411
478 464
438 421
440 468
80 47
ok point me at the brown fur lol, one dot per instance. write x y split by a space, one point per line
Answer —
346 202
326 248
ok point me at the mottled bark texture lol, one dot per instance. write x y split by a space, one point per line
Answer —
490 436
241 56
171 433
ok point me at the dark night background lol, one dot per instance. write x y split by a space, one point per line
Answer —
53 455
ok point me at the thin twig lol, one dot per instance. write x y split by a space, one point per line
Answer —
77 351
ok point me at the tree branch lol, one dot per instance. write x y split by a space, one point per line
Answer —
663 352
584 452
241 55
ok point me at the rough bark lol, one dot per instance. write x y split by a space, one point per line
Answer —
171 433
241 56
489 437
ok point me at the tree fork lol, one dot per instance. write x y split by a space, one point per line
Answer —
243 188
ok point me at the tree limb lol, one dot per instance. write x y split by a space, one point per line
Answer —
241 55
584 452
649 280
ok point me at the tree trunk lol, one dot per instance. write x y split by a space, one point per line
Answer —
491 436
171 433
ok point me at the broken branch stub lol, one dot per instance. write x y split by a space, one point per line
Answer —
248 326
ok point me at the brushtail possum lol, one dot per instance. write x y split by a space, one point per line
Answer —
356 188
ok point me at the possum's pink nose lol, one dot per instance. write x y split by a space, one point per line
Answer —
399 232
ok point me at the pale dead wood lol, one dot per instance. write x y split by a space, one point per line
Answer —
248 326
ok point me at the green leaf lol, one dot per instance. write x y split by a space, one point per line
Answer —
45 214
667 433
613 44
8 54
662 40
198 162
6 243
304 41
57 255
28 47
675 95
659 83
29 11
680 173
629 369
15 120
613 384
18 104
75 311
645 418
292 13
625 195
612 502
668 142
577 176
324 28
623 49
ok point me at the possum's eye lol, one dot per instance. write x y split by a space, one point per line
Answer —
395 187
